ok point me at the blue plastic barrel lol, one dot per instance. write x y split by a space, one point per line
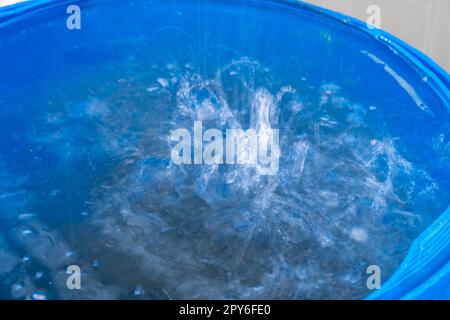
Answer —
86 176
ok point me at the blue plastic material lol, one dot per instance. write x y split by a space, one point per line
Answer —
425 272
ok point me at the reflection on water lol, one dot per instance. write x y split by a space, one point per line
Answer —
139 226
86 176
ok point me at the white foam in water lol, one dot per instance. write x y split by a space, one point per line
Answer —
344 197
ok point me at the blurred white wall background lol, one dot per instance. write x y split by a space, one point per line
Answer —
4 3
424 24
